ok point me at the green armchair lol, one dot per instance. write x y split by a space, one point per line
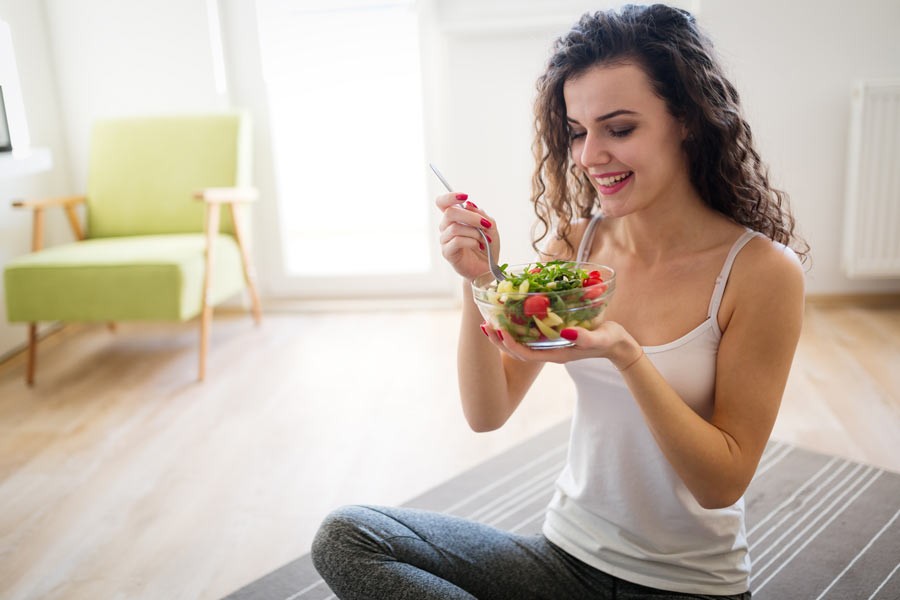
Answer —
156 245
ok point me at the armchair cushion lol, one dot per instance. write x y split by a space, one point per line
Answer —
148 277
143 171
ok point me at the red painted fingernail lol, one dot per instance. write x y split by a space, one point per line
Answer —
485 223
484 330
471 204
462 196
569 334
480 245
490 241
500 335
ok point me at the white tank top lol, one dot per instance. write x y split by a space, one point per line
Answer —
619 506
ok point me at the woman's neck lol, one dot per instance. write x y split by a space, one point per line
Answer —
681 224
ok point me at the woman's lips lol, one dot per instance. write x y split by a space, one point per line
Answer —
610 183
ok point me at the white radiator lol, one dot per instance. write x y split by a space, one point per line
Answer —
872 218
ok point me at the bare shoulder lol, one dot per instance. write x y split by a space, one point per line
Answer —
557 248
766 275
768 265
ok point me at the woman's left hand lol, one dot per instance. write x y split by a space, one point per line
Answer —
609 340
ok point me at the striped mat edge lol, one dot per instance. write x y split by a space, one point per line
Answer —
819 527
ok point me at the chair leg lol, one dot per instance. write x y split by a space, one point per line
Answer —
32 354
205 322
246 263
212 229
254 298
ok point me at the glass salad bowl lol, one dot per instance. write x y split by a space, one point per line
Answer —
538 300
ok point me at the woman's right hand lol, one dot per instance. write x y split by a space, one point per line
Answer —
461 244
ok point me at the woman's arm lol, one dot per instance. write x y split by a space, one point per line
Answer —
492 383
717 459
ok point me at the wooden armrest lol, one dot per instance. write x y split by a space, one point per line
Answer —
37 206
226 195
65 201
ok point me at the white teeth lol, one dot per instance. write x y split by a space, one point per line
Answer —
608 181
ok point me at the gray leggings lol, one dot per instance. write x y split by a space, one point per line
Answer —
377 553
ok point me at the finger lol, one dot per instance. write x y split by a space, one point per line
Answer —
471 215
551 355
458 245
457 230
581 339
471 207
495 336
510 346
454 230
601 337
454 217
472 218
445 201
547 355
572 334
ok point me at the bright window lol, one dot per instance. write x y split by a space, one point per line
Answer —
345 99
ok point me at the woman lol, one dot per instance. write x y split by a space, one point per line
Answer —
644 163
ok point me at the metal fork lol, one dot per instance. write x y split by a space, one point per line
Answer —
495 268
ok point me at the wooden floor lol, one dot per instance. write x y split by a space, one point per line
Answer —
121 477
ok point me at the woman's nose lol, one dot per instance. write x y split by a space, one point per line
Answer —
594 151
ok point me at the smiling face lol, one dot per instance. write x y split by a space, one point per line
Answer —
624 138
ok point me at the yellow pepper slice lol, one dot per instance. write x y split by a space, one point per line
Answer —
547 330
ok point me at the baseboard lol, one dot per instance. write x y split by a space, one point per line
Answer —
287 305
7 358
875 300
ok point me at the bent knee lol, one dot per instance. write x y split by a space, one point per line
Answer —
341 534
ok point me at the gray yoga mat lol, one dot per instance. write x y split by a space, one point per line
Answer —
819 527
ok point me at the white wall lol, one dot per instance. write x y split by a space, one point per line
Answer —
794 63
30 40
128 57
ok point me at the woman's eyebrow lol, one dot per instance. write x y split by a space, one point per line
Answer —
609 115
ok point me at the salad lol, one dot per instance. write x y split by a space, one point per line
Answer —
538 300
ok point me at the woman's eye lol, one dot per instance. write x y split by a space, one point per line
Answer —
621 132
574 135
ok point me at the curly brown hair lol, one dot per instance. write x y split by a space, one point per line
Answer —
680 62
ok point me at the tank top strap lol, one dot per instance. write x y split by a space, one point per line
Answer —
722 279
587 240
